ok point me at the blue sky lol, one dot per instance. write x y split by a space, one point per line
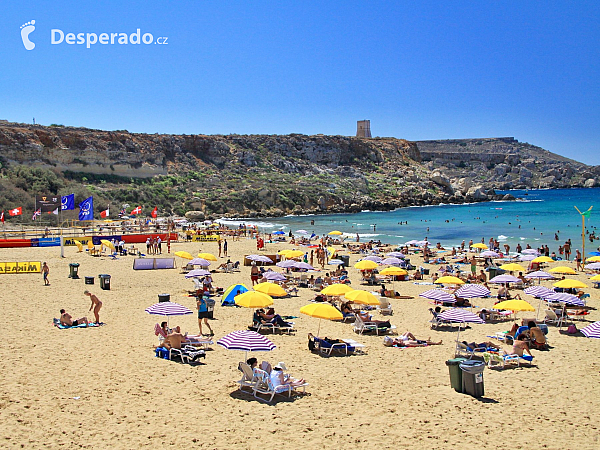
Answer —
417 70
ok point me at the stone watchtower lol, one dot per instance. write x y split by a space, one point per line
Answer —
363 128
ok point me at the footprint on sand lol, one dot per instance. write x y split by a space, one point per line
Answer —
26 30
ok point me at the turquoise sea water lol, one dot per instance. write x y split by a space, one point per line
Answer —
533 220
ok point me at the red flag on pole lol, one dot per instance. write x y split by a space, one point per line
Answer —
105 213
155 212
16 212
137 210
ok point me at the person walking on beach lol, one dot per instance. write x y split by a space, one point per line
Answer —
225 247
254 271
219 242
96 305
203 314
45 272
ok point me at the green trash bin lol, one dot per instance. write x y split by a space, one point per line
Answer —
472 377
455 373
493 272
74 270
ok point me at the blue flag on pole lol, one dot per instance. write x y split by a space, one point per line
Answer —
86 209
67 202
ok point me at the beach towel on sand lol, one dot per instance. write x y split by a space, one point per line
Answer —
57 324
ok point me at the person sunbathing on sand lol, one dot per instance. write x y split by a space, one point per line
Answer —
67 320
278 378
408 340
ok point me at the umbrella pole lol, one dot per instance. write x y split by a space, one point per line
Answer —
319 330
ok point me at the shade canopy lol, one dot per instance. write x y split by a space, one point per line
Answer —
199 262
272 289
480 245
336 289
184 255
538 291
541 275
246 341
490 254
563 297
542 259
168 309
373 258
449 280
108 244
568 283
460 315
362 297
592 331
513 267
365 264
472 291
322 311
393 271
564 270
514 305
253 299
274 276
500 279
207 256
438 295
197 273
259 258
335 233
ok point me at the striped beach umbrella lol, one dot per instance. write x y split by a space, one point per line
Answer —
168 309
303 265
460 316
538 291
438 295
489 254
259 258
396 255
197 273
530 251
274 276
563 297
540 275
246 341
392 261
472 291
287 264
334 262
501 279
592 331
593 266
373 258
199 262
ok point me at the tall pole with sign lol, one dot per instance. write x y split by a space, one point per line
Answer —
584 214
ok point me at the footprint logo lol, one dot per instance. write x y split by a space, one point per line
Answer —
26 30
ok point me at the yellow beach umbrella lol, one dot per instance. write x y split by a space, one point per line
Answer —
449 280
513 267
207 256
480 245
393 271
542 259
294 254
184 255
78 244
253 299
362 297
569 284
321 311
272 289
108 244
563 269
593 259
514 305
595 278
336 289
366 264
332 251
284 252
335 233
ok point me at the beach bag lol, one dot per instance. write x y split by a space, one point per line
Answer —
572 329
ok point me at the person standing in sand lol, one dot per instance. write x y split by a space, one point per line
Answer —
96 305
45 272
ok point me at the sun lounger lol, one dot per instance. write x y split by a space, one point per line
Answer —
495 360
248 378
328 346
264 386
272 327
385 307
361 327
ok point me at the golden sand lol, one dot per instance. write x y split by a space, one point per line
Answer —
103 387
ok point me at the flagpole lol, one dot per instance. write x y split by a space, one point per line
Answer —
583 214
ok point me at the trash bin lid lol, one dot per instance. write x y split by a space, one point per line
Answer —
472 366
74 264
455 361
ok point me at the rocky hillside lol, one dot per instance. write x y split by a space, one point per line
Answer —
230 175
504 163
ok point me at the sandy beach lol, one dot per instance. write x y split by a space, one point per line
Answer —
102 387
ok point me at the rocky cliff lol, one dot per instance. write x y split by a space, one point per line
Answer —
504 163
261 175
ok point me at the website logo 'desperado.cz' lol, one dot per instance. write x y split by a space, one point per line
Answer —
58 37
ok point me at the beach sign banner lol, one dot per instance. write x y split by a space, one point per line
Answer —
20 267
205 238
71 241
